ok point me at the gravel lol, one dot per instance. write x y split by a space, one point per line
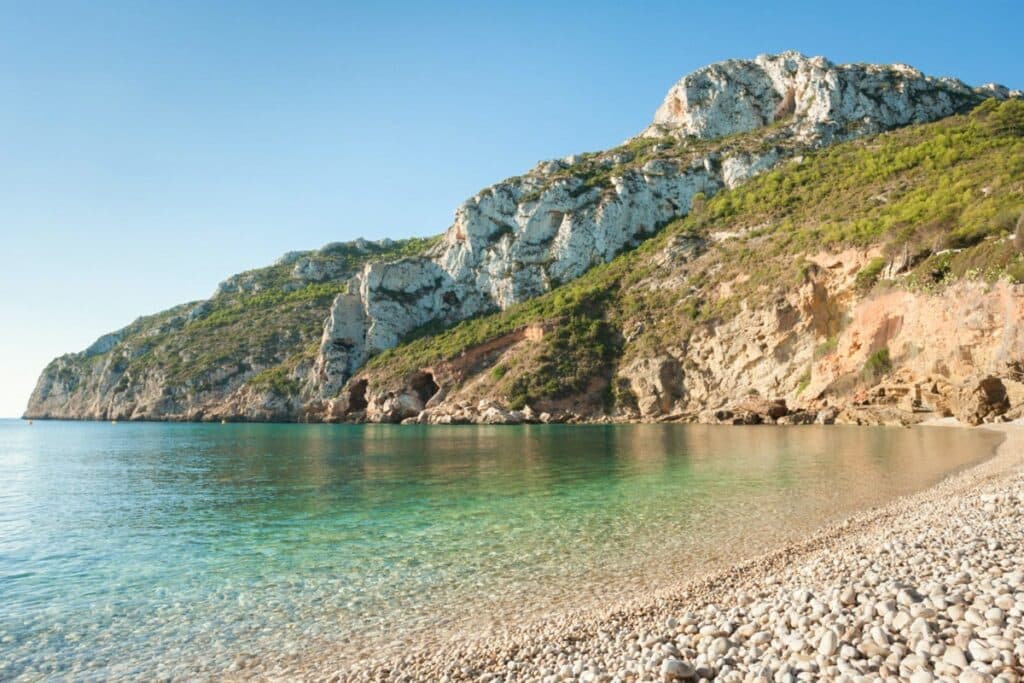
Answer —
927 588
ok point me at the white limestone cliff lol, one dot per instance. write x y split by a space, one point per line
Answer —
823 99
521 237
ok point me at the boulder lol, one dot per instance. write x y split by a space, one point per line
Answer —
494 415
798 417
980 400
777 408
827 415
719 416
675 670
395 408
936 396
767 409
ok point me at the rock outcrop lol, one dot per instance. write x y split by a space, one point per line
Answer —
818 99
216 359
981 401
769 365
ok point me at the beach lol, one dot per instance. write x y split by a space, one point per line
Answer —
927 587
526 553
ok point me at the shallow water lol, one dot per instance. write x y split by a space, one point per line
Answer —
135 549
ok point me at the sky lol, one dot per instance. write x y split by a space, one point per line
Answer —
150 149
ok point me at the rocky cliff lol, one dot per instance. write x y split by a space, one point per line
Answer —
878 280
519 256
214 359
521 237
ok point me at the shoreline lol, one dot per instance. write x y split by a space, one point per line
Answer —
618 643
603 421
599 641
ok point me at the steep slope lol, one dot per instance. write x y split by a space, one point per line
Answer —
214 358
250 352
716 128
880 277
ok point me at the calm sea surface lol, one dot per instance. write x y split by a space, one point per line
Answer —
135 549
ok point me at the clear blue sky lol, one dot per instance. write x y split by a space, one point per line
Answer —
149 149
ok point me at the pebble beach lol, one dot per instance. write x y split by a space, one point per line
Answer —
927 588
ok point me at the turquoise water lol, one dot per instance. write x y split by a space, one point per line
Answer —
132 550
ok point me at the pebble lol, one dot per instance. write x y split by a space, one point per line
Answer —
980 653
673 669
955 656
829 643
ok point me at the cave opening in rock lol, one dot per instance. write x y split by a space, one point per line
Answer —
424 385
357 396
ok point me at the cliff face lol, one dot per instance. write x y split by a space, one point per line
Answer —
880 280
217 358
826 101
519 238
250 351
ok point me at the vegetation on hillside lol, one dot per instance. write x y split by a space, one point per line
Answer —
271 320
595 170
947 195
941 201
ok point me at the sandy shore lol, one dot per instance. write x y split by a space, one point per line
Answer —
927 587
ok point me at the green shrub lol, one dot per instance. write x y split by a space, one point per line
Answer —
1007 118
276 380
877 365
826 347
622 394
868 275
805 381
1015 271
582 347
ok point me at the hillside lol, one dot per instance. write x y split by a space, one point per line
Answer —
207 359
876 277
763 238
